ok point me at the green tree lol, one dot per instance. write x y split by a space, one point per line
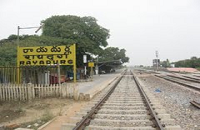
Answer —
193 62
84 31
8 53
113 53
165 63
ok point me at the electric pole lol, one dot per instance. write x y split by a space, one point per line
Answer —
156 60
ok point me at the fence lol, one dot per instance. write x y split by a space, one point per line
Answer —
27 92
8 74
30 74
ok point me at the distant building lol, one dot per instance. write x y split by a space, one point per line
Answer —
156 62
172 65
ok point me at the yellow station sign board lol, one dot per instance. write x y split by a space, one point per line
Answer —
46 55
91 64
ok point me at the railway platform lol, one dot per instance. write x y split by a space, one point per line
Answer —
87 90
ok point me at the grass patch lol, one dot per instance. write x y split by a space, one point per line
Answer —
47 116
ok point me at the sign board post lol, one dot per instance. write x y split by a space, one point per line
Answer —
58 69
46 55
85 61
18 67
91 65
74 50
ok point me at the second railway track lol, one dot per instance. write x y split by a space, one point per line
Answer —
125 106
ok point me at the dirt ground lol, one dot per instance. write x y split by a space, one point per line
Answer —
36 113
65 117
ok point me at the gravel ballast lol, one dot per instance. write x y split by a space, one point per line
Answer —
176 100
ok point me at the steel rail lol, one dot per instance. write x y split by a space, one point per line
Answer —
179 82
86 119
185 78
152 112
196 104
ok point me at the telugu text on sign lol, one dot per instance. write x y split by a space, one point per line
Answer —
46 55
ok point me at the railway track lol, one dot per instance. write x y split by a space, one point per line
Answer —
185 83
124 106
185 78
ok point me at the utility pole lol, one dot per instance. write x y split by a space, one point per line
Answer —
85 62
156 60
18 30
97 66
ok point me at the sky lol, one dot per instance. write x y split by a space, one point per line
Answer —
142 27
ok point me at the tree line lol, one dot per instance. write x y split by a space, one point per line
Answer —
65 30
193 62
